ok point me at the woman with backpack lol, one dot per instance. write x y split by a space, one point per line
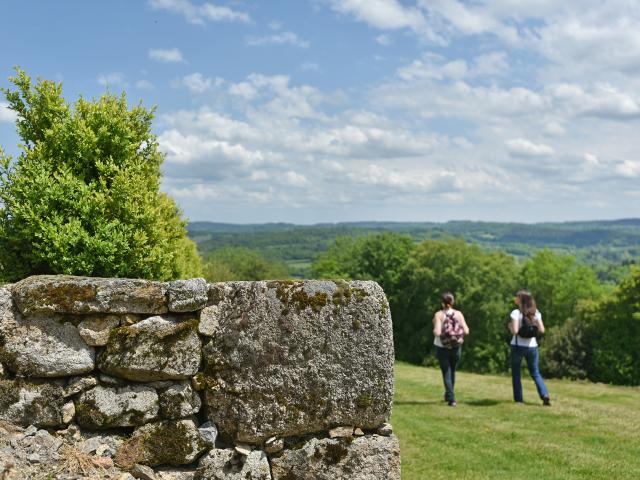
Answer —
525 325
449 329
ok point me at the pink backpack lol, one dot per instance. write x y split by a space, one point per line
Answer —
452 331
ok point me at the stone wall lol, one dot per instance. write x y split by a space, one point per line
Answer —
263 380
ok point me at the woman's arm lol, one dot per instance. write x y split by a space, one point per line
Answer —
540 324
437 324
514 324
464 324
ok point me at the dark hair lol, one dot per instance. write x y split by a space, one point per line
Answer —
447 299
527 304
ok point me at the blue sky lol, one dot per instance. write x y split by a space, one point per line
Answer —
340 110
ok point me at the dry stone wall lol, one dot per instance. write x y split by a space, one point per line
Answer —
273 380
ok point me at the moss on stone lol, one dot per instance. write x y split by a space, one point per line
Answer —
335 452
42 406
215 294
67 294
161 345
87 415
364 401
292 295
9 394
344 294
171 443
199 381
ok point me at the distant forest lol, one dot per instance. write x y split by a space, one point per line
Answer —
584 276
609 247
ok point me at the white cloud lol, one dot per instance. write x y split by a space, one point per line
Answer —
144 84
245 90
384 39
283 38
200 14
310 67
384 14
114 79
387 15
198 83
458 18
170 55
549 85
7 115
494 63
629 168
599 100
522 147
295 179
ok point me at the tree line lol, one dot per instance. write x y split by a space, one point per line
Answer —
593 328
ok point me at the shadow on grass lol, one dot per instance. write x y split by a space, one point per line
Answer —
417 402
484 402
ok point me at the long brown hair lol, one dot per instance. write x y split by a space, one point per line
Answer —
527 304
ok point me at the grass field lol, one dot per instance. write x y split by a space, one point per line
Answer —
591 431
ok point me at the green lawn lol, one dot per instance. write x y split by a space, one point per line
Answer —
590 431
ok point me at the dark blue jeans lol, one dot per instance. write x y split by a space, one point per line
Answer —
531 355
448 359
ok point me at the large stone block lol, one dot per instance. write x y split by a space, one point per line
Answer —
78 295
43 346
32 403
156 348
289 358
111 407
362 458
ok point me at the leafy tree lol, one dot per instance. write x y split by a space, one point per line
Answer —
558 283
613 330
239 263
380 257
565 351
83 195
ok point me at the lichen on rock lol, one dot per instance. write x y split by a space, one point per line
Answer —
170 442
110 407
283 363
36 403
157 348
79 295
179 400
187 295
362 458
43 346
227 464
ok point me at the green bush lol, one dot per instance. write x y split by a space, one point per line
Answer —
564 351
83 195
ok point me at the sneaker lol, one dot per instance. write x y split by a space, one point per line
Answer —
546 401
453 403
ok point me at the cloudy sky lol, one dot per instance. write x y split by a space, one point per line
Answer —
312 111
